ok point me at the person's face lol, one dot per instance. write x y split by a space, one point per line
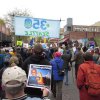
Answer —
34 72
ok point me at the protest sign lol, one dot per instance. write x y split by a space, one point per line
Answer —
25 45
19 43
39 76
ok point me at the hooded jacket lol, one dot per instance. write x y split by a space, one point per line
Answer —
34 59
66 59
81 81
54 62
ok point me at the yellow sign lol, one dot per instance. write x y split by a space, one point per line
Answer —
44 40
19 43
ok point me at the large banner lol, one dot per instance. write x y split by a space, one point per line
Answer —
39 76
26 26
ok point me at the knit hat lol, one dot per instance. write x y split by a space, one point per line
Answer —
13 73
57 54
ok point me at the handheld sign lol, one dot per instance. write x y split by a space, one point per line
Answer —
39 76
19 43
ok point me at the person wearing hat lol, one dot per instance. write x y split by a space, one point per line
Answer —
57 79
78 59
38 57
85 74
13 83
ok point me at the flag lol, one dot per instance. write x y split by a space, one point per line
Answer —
31 42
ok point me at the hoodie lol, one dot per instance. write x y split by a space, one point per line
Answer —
35 59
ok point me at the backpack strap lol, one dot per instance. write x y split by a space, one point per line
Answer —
57 66
97 58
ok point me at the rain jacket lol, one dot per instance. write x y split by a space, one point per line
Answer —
81 81
54 62
34 59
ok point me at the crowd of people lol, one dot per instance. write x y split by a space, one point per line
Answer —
14 68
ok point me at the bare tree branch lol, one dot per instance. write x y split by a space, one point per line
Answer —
9 18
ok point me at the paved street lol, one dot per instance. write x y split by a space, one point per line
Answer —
70 92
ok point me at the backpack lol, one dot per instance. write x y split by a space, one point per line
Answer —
95 58
68 51
61 72
93 80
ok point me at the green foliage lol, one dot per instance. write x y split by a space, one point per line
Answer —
2 21
39 39
97 39
9 18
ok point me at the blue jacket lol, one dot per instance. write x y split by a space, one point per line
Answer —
55 69
1 60
25 97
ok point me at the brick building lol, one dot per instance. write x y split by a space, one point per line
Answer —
75 32
5 35
79 32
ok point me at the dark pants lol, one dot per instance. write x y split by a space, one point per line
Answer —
66 75
76 69
57 89
2 94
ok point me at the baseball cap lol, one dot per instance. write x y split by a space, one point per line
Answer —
13 73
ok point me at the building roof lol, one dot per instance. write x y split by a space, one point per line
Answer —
96 24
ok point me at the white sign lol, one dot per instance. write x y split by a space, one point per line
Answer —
26 26
25 45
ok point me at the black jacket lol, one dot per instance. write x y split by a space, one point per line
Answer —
34 59
66 59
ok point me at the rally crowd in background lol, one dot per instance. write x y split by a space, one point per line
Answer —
14 64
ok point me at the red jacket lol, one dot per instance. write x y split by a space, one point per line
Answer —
81 81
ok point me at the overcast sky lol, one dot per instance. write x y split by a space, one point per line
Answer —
83 12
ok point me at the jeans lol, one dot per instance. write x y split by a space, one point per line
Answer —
66 76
